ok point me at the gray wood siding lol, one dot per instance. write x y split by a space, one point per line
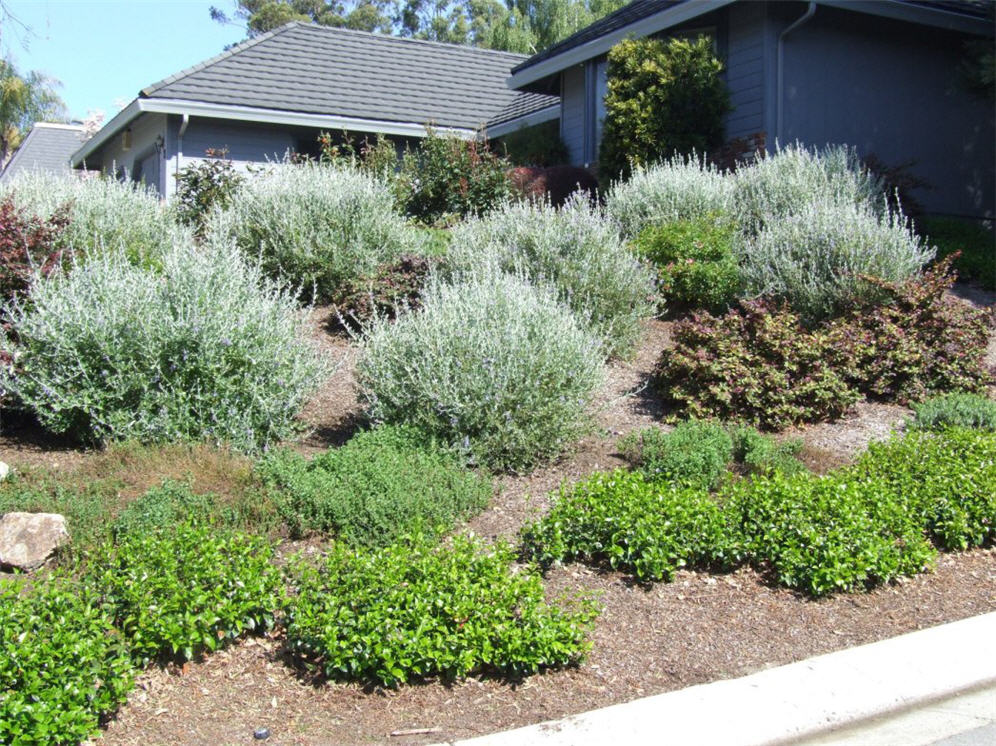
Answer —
572 113
892 89
144 131
745 69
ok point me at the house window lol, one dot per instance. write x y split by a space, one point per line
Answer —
601 88
596 86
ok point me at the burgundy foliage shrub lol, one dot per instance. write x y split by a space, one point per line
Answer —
555 183
393 284
26 246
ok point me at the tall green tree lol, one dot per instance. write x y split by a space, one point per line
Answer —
24 99
524 26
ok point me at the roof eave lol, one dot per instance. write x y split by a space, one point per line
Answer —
255 114
525 74
921 14
527 120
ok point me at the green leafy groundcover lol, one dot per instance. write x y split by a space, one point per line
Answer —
851 529
62 667
414 610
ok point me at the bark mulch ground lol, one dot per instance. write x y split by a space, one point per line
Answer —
697 629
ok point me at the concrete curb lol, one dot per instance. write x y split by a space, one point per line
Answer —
790 702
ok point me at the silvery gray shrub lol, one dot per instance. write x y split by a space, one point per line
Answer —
813 258
573 249
794 176
316 226
675 189
201 347
104 213
492 364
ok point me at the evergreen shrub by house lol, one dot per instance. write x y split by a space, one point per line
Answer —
696 453
572 248
947 479
185 589
627 522
818 257
664 97
678 188
101 214
780 185
62 666
416 610
318 227
694 261
381 484
756 364
956 409
205 186
202 347
491 364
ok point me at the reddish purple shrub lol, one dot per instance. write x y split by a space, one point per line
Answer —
555 183
27 245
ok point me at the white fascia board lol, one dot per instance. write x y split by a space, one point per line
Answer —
119 122
253 114
644 27
929 16
290 118
529 120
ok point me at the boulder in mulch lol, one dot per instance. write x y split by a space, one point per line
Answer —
27 540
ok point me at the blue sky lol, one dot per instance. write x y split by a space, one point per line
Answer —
105 51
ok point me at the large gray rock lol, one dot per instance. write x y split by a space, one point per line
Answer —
28 539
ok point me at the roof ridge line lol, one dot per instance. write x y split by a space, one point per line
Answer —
230 52
408 39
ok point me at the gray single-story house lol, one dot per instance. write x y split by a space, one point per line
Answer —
881 75
48 147
278 91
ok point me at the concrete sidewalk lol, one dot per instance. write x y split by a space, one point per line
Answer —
848 693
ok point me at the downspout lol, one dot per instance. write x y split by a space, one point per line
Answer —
179 148
780 85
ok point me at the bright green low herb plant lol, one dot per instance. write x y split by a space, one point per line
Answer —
621 520
62 666
381 484
414 610
948 479
187 589
697 453
956 409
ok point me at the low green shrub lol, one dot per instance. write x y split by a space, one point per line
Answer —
203 347
672 190
321 228
783 184
818 258
627 522
62 667
948 479
694 261
955 410
161 508
492 365
756 364
381 484
572 248
976 244
918 343
104 214
187 588
415 610
825 534
695 453
762 454
448 177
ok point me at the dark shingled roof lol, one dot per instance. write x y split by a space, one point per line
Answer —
640 9
339 72
525 103
47 147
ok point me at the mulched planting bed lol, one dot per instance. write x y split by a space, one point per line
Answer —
648 639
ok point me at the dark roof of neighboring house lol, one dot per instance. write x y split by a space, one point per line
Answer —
47 147
640 9
339 72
